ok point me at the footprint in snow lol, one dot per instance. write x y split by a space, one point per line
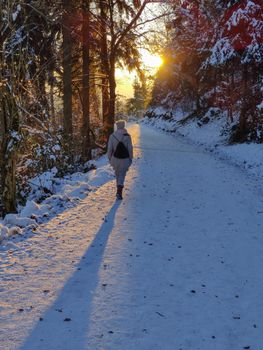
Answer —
236 317
99 336
59 310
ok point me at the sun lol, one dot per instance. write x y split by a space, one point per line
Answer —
124 78
151 61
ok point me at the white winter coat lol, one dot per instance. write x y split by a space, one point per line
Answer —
116 163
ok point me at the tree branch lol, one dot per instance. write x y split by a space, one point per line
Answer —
130 25
151 20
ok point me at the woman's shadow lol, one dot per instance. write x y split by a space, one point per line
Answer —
64 326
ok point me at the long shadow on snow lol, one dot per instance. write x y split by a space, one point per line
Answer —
74 302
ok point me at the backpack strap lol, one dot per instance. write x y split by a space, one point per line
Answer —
115 137
122 137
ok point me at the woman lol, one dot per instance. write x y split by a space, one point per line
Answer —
120 154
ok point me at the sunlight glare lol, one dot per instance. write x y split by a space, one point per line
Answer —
125 78
152 61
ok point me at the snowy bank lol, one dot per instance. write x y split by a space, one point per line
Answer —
210 133
50 195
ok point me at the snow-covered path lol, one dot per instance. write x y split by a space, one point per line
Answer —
176 265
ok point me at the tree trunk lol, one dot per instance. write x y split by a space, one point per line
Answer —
86 151
232 92
105 103
244 106
42 94
116 40
9 184
112 82
67 67
9 148
2 135
104 68
52 102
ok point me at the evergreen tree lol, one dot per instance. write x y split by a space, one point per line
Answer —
214 60
136 105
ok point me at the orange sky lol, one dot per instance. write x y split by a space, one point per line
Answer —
125 78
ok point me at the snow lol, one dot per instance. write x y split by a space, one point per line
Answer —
221 52
242 29
32 207
56 148
260 106
16 220
15 14
4 232
44 180
249 156
211 137
58 193
176 265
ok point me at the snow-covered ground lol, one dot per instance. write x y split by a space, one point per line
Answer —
63 193
176 265
211 136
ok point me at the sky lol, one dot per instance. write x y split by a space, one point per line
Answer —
151 63
124 80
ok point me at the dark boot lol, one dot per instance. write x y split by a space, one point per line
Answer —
119 192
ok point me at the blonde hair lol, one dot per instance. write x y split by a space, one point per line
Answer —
120 124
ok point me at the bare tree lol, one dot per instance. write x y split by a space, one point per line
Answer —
67 66
86 78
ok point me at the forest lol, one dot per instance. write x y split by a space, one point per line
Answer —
58 84
213 61
131 166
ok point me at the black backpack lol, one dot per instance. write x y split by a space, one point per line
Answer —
121 151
